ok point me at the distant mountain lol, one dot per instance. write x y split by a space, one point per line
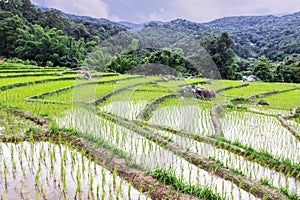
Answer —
182 25
262 35
87 27
244 22
254 36
130 25
73 16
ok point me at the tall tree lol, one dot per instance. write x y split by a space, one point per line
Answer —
263 71
219 48
9 33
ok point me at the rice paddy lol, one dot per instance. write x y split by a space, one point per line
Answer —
70 138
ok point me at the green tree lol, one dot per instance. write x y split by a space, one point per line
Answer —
99 59
28 11
9 33
296 72
219 48
263 71
283 73
45 45
54 19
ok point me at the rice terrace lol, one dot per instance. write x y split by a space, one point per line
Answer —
142 139
154 106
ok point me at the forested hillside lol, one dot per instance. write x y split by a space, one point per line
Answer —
274 37
46 37
266 46
254 36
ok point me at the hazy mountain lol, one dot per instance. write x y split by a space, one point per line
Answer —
73 16
254 36
130 25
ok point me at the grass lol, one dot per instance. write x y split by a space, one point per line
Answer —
219 84
14 66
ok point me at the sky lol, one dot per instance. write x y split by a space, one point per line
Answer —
139 11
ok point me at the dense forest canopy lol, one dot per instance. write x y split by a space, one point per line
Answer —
265 46
46 37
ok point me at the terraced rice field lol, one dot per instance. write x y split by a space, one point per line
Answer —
135 137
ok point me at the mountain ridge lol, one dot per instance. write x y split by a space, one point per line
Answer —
254 36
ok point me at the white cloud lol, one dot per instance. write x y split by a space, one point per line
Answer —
159 15
115 18
93 8
194 10
207 10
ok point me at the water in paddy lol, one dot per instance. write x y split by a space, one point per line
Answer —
48 171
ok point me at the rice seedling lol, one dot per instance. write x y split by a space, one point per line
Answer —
236 162
261 132
147 153
57 184
128 104
35 170
258 88
12 125
295 123
265 110
189 118
286 100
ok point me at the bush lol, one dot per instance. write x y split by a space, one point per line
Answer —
14 60
49 64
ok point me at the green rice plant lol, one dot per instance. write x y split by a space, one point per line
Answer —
84 181
177 117
129 190
258 88
286 100
103 173
5 173
169 177
134 147
78 178
269 136
98 191
91 185
115 177
119 189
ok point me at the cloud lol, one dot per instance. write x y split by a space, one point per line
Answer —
194 10
115 18
93 8
207 10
